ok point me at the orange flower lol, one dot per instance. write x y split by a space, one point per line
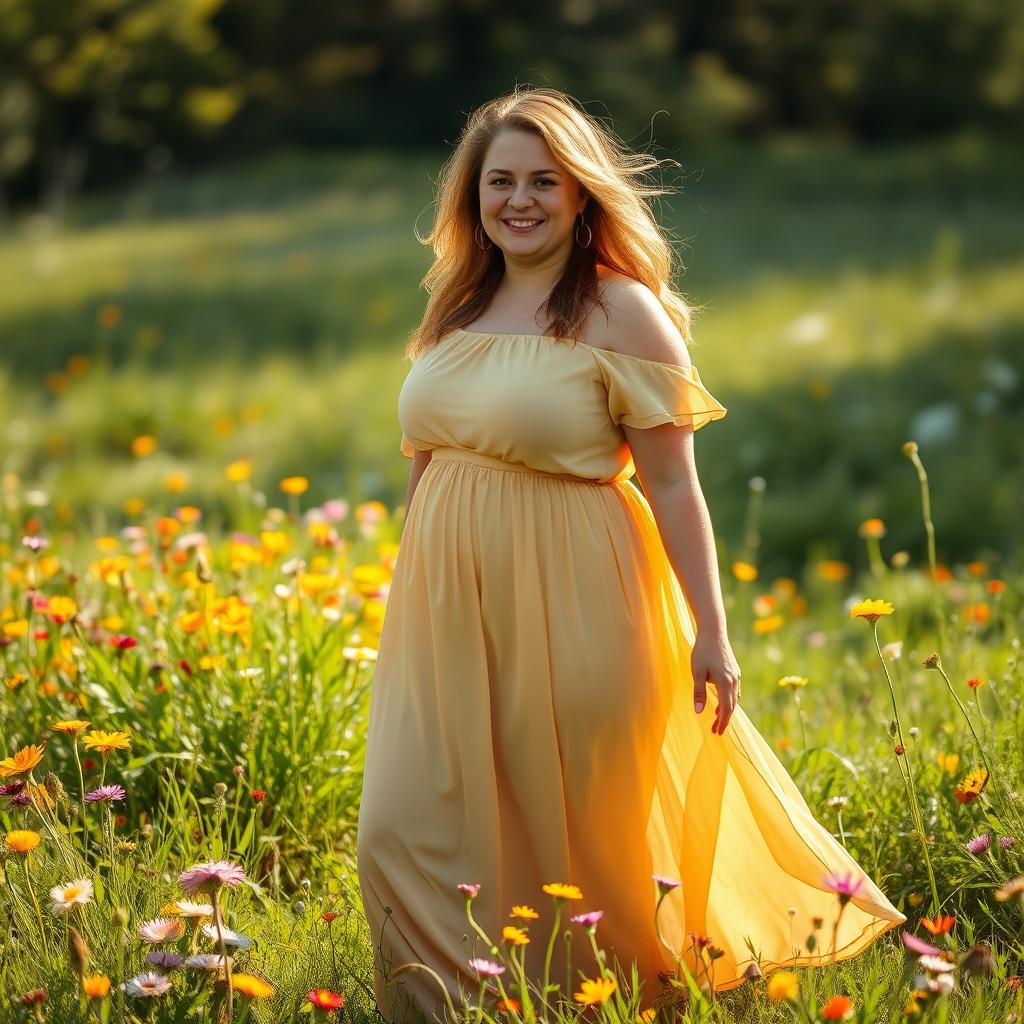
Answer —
871 609
239 470
23 761
769 623
938 925
527 913
598 990
294 485
96 987
837 1008
873 528
832 570
509 1005
975 681
995 586
972 786
72 726
744 571
948 762
22 840
251 986
516 936
563 891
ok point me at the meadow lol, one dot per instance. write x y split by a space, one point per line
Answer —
200 516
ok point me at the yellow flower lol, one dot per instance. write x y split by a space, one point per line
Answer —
525 912
72 726
516 936
239 470
22 840
250 985
597 990
769 624
647 1016
791 682
294 485
563 891
23 761
948 762
143 445
783 985
105 742
871 609
96 987
744 571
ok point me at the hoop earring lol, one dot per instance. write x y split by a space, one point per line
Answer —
590 234
476 234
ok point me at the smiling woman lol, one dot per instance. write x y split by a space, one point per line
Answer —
537 721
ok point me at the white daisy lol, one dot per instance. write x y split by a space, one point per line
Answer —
149 984
207 962
75 894
236 939
188 908
161 929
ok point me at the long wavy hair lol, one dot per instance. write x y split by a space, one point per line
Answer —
626 237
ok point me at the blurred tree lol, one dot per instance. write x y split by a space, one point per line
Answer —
126 76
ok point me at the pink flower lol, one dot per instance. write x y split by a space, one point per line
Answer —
469 889
592 917
844 886
486 968
210 876
919 946
160 929
1006 842
164 958
665 884
979 844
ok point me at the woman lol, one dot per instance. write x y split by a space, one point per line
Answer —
538 710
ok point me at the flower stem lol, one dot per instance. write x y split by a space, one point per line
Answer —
219 925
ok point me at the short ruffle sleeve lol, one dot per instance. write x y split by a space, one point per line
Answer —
646 392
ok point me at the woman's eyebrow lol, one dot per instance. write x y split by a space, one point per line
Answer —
501 170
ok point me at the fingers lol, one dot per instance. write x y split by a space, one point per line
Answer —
700 694
728 698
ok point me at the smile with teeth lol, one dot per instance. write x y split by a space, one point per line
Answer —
522 223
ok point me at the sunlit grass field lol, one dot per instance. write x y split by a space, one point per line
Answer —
200 519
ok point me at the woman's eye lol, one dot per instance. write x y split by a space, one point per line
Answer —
498 181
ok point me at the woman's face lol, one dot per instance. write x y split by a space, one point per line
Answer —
521 181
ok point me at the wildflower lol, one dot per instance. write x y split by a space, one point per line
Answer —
72 726
486 968
105 742
975 682
325 999
22 762
934 964
96 986
75 894
892 650
515 936
871 609
186 908
837 802
918 946
251 986
294 485
792 682
744 571
979 844
783 985
1006 842
845 887
12 788
511 1005
563 891
915 899
979 961
837 1008
666 884
236 939
1014 887
753 972
589 919
527 913
105 794
207 962
972 786
22 840
948 762
210 876
148 985
469 889
122 642
164 958
328 916
34 998
259 795
938 925
594 991
161 929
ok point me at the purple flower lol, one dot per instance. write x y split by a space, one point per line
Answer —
665 884
486 968
210 876
844 886
591 917
21 799
164 958
105 794
1006 842
918 946
12 788
979 844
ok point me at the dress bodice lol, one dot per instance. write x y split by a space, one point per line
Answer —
557 407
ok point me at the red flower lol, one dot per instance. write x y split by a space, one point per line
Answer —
837 1008
328 916
88 763
258 795
33 998
185 667
325 999
938 925
123 643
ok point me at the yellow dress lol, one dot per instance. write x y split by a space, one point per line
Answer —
532 719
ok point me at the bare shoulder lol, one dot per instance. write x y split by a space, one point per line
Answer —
638 324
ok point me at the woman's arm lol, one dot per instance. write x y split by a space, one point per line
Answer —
420 461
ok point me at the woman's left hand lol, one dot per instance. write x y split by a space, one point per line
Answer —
712 661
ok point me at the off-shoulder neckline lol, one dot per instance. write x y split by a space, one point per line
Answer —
593 348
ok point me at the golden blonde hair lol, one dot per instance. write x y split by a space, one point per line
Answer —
625 234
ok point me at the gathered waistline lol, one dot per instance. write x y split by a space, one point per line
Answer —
446 453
